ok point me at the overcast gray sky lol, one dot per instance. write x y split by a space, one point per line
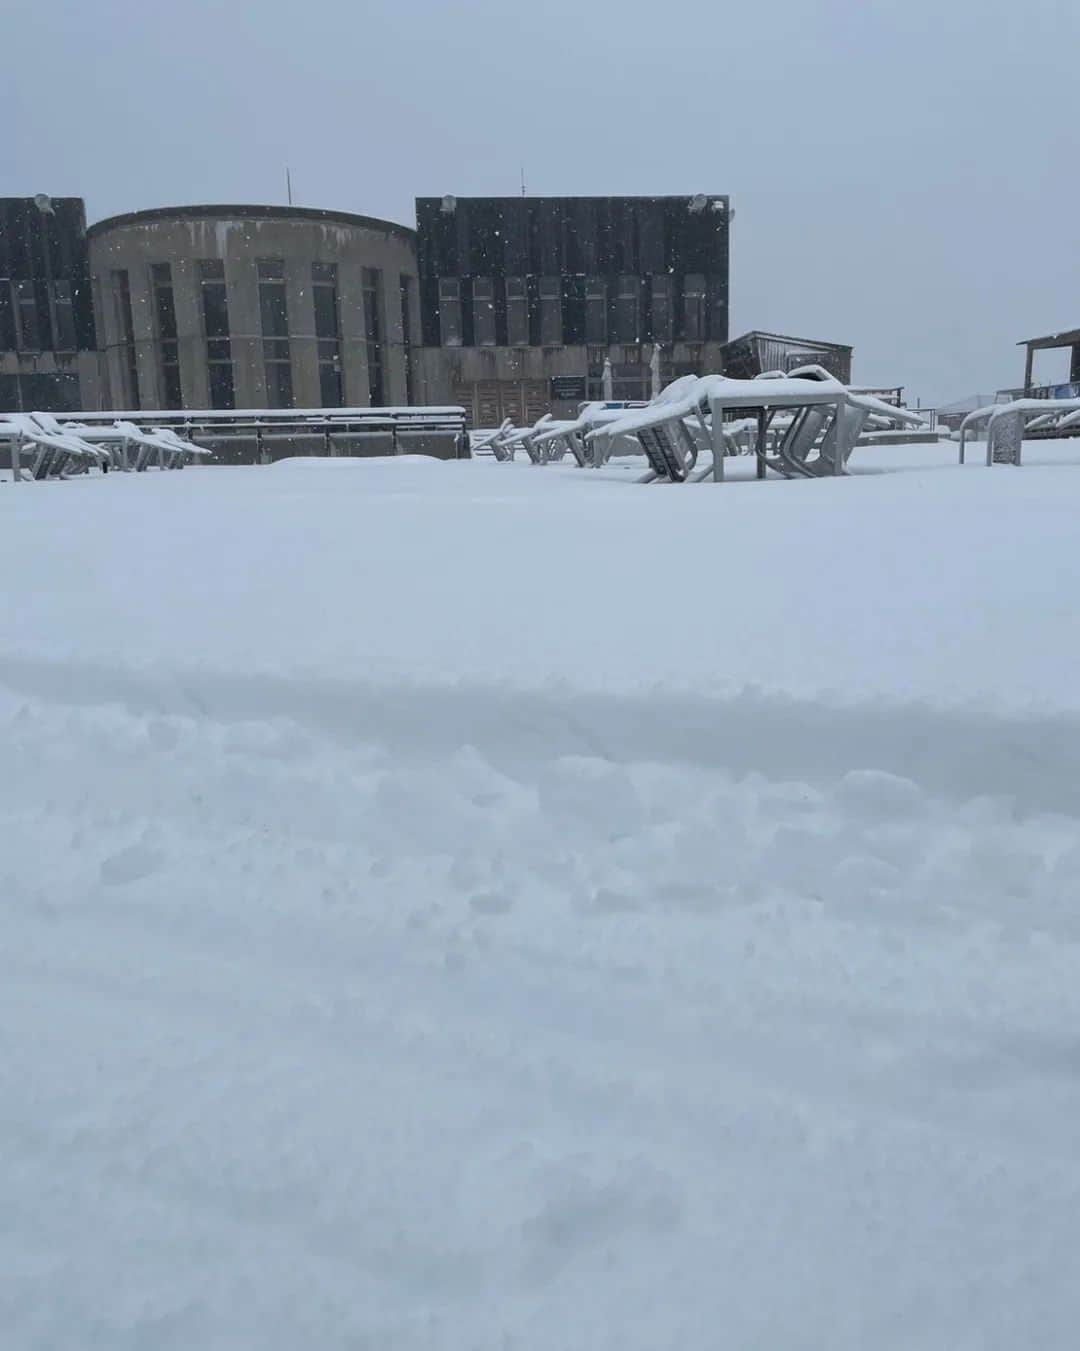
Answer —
903 171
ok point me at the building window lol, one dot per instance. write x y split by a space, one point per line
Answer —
168 346
215 312
694 308
125 324
38 393
596 311
449 311
29 326
551 311
405 286
517 312
274 315
99 309
324 287
718 321
628 310
7 317
484 312
661 308
373 333
64 339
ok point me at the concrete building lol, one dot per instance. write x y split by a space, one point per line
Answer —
525 298
48 360
254 307
507 306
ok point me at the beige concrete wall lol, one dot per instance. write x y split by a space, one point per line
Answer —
444 370
181 240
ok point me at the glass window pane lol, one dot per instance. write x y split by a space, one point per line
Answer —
483 312
627 310
694 308
326 312
29 331
450 312
596 310
222 394
166 311
273 310
64 339
170 386
551 311
517 312
278 384
661 308
330 393
7 316
215 310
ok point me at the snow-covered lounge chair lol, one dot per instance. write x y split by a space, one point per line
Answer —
54 450
526 438
1006 423
494 442
128 446
573 436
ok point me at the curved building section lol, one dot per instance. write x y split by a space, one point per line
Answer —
205 307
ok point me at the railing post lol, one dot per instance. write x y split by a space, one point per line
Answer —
717 438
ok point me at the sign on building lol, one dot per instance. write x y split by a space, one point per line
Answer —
568 388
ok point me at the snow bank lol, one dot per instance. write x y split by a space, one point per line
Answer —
448 910
386 464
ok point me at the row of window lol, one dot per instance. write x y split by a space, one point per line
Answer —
40 392
508 237
565 310
274 333
36 316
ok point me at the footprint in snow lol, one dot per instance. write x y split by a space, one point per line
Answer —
131 865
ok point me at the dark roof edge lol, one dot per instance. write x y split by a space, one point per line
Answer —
789 337
249 212
1068 337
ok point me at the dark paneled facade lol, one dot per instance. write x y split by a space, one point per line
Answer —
46 306
562 271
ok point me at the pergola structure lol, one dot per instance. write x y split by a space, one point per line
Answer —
1070 338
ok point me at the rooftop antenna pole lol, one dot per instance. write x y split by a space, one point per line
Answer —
523 180
288 183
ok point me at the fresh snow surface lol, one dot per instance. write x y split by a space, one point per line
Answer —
479 907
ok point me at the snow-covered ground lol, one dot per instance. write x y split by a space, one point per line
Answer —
473 907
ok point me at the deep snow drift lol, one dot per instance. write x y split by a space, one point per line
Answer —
480 906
